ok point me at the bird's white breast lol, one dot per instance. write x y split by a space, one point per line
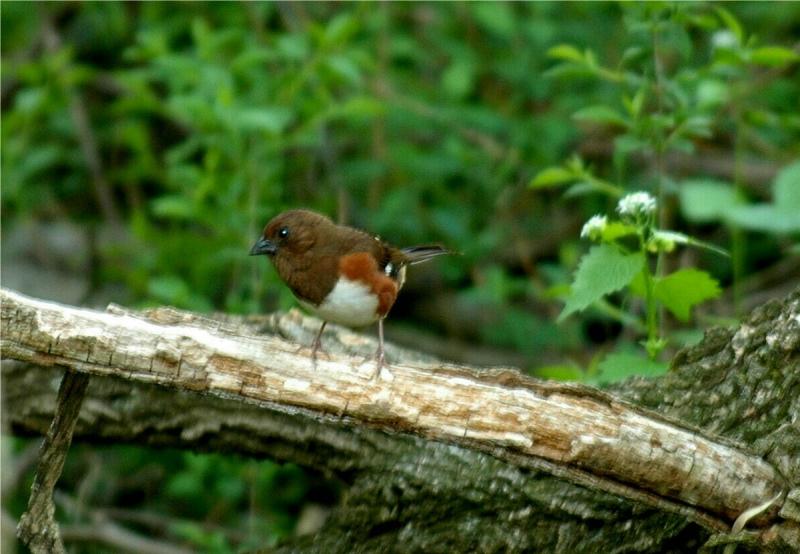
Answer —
350 303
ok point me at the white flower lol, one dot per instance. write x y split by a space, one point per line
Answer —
593 228
638 203
724 39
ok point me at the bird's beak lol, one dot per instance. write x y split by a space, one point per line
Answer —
263 246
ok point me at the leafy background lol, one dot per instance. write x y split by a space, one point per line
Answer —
144 145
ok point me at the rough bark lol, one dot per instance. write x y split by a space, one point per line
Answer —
38 528
488 491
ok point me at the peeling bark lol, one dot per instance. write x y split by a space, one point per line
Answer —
430 493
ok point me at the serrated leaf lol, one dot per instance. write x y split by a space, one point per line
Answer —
621 365
638 287
565 52
601 114
552 177
685 288
605 269
773 56
707 200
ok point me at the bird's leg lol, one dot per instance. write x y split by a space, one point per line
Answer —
380 356
316 346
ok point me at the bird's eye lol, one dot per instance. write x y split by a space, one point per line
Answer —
283 232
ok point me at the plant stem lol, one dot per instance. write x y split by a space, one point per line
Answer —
652 313
737 236
660 150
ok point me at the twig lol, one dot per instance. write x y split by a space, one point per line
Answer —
37 527
120 539
102 529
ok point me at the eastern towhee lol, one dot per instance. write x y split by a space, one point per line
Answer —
342 274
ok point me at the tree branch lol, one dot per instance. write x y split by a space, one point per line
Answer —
574 432
38 528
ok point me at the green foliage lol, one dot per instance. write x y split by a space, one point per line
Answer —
421 122
667 100
616 264
621 365
782 215
705 201
605 269
681 290
574 171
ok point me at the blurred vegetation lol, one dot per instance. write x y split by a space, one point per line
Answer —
168 134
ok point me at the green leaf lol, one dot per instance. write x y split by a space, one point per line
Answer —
497 17
565 52
616 229
174 207
707 200
625 144
459 79
766 218
696 126
786 189
781 216
731 22
681 290
271 120
581 188
712 93
341 28
634 105
345 68
552 177
773 56
601 114
560 372
605 269
621 365
360 106
681 238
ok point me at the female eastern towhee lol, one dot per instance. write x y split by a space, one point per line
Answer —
344 275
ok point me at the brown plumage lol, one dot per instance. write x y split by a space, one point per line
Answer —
343 274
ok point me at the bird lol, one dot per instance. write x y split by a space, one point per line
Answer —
342 274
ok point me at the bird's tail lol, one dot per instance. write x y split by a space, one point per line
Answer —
419 254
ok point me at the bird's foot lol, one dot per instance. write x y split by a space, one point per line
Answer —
316 346
314 351
379 357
